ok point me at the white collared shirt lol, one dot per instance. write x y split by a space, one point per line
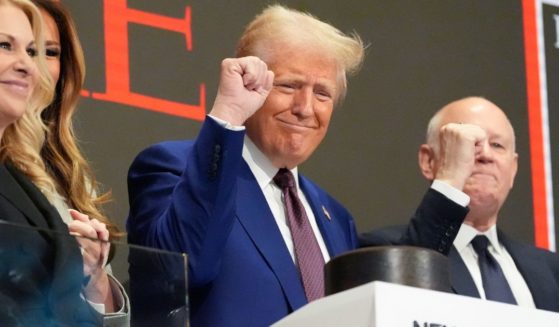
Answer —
264 172
516 282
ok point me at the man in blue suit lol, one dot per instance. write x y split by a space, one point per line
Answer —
532 274
216 198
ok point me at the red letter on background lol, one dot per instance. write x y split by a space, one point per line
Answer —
117 17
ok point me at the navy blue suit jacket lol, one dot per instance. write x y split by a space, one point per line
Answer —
200 197
539 268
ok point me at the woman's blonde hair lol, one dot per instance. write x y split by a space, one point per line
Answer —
65 162
21 139
54 161
278 26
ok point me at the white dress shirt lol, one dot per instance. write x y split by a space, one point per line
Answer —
516 282
264 172
463 245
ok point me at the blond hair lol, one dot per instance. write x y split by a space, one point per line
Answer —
42 143
281 26
21 139
70 171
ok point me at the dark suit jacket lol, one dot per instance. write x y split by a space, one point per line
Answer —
434 225
201 198
539 268
41 273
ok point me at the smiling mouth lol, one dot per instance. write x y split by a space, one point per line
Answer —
17 87
295 125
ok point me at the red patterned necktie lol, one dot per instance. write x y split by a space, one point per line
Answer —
307 251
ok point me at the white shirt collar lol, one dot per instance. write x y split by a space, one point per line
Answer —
261 167
467 233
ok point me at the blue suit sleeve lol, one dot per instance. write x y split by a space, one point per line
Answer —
181 197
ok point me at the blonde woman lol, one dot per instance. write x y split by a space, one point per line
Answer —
42 276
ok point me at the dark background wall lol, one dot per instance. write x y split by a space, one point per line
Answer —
422 55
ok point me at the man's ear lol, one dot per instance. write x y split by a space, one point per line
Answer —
514 169
426 157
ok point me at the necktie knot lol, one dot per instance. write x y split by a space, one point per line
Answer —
480 244
284 179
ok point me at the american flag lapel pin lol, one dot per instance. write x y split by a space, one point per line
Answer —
326 213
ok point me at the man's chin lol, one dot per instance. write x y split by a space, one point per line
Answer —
481 184
483 200
288 159
481 179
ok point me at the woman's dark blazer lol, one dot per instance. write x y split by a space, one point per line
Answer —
41 268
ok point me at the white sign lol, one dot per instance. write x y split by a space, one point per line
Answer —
380 304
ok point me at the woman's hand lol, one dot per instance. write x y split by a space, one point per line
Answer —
95 255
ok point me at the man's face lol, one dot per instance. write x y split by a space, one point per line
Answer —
494 171
295 117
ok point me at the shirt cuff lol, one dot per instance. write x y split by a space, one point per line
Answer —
226 124
118 298
451 192
99 307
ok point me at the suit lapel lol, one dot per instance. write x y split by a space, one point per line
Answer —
12 190
47 212
530 265
328 229
460 278
68 265
257 220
